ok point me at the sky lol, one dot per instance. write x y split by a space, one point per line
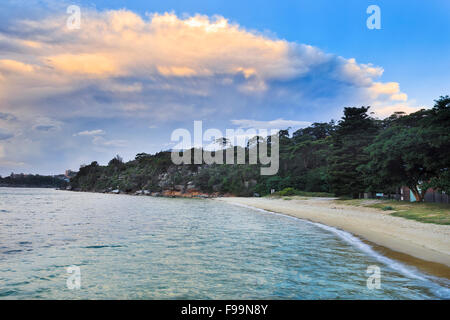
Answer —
134 71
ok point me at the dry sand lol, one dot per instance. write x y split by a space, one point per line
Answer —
429 242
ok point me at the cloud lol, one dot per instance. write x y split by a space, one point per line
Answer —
7 65
273 124
385 110
88 64
90 133
4 135
389 89
166 60
7 117
122 72
100 141
46 124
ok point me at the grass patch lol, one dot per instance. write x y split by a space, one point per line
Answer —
438 213
425 212
315 194
294 192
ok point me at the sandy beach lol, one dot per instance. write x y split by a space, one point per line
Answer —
424 241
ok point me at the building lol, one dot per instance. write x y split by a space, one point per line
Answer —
430 196
70 174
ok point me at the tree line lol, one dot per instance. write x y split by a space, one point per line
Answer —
32 181
357 154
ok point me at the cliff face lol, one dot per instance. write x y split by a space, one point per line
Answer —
156 175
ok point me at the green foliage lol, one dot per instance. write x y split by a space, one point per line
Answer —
355 155
30 180
414 151
353 134
287 192
293 192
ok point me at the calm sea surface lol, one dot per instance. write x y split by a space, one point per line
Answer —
155 248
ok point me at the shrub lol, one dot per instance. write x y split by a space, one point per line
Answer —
288 192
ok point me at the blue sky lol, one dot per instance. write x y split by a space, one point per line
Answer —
127 78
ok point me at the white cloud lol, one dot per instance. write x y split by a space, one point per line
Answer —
7 117
90 133
45 124
273 124
100 141
5 134
120 70
187 58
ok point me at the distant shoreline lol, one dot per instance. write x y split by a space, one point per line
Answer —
27 186
162 194
426 246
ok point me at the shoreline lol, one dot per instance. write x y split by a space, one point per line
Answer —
425 246
158 194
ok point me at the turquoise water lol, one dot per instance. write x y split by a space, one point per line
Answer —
155 248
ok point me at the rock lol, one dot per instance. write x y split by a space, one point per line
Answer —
250 183
164 184
147 192
139 192
256 195
116 191
179 187
156 194
201 196
69 188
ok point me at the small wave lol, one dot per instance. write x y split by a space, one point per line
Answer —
103 246
11 251
6 293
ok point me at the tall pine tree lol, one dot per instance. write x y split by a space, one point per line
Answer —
354 133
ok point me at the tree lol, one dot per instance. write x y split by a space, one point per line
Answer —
116 161
397 158
223 142
353 134
414 151
309 150
435 128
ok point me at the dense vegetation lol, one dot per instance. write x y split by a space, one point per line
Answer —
30 180
355 155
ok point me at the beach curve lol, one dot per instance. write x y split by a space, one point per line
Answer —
428 242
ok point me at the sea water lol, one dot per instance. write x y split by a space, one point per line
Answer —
129 247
